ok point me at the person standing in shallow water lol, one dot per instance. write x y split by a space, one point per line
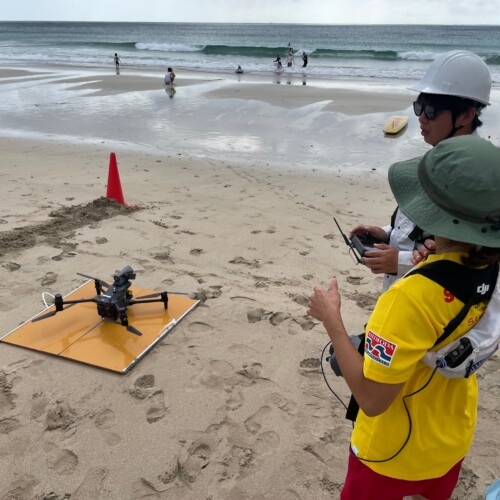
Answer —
117 63
278 62
169 76
304 59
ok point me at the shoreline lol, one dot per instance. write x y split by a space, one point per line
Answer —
251 120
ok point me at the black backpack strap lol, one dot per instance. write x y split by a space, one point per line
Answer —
393 217
471 286
416 234
353 407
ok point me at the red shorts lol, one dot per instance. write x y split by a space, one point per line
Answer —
362 483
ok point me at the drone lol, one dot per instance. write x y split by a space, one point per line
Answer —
112 299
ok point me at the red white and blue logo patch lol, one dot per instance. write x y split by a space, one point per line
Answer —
379 349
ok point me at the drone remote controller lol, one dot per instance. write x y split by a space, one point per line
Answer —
359 246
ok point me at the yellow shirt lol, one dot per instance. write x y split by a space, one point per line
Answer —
405 324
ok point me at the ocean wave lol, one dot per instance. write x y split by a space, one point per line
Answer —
383 55
267 52
494 60
243 50
104 45
418 56
168 47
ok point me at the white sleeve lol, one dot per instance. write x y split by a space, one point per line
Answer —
404 258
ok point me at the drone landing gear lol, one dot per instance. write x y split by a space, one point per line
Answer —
124 322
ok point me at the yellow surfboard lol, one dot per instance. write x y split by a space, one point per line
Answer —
395 124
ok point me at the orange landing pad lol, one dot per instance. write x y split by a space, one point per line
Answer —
80 334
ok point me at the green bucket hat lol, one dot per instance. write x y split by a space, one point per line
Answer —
453 191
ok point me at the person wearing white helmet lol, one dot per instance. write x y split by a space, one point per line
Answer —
458 82
452 93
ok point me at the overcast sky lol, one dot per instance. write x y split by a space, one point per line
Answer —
261 11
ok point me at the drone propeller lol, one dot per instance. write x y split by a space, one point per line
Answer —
52 313
101 282
153 295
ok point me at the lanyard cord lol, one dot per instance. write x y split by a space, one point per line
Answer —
409 423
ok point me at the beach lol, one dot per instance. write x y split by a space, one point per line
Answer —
236 182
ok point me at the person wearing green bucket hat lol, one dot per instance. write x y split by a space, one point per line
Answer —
453 191
415 425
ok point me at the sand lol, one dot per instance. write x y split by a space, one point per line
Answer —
232 403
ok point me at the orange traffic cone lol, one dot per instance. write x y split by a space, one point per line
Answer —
114 191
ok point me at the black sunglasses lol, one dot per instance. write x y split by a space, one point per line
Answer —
428 110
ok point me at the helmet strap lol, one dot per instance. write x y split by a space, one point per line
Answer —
454 130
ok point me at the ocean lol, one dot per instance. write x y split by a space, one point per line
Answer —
350 51
50 106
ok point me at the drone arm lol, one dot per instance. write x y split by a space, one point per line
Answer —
78 301
163 297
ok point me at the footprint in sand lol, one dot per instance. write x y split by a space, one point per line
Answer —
235 401
299 298
198 459
64 462
92 485
157 409
221 375
6 395
49 279
297 324
252 371
11 266
253 423
365 301
278 317
143 388
188 465
241 260
267 442
24 487
9 424
283 403
255 314
354 280
105 420
310 367
60 416
39 403
199 327
196 251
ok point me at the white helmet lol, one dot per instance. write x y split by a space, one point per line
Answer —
457 73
